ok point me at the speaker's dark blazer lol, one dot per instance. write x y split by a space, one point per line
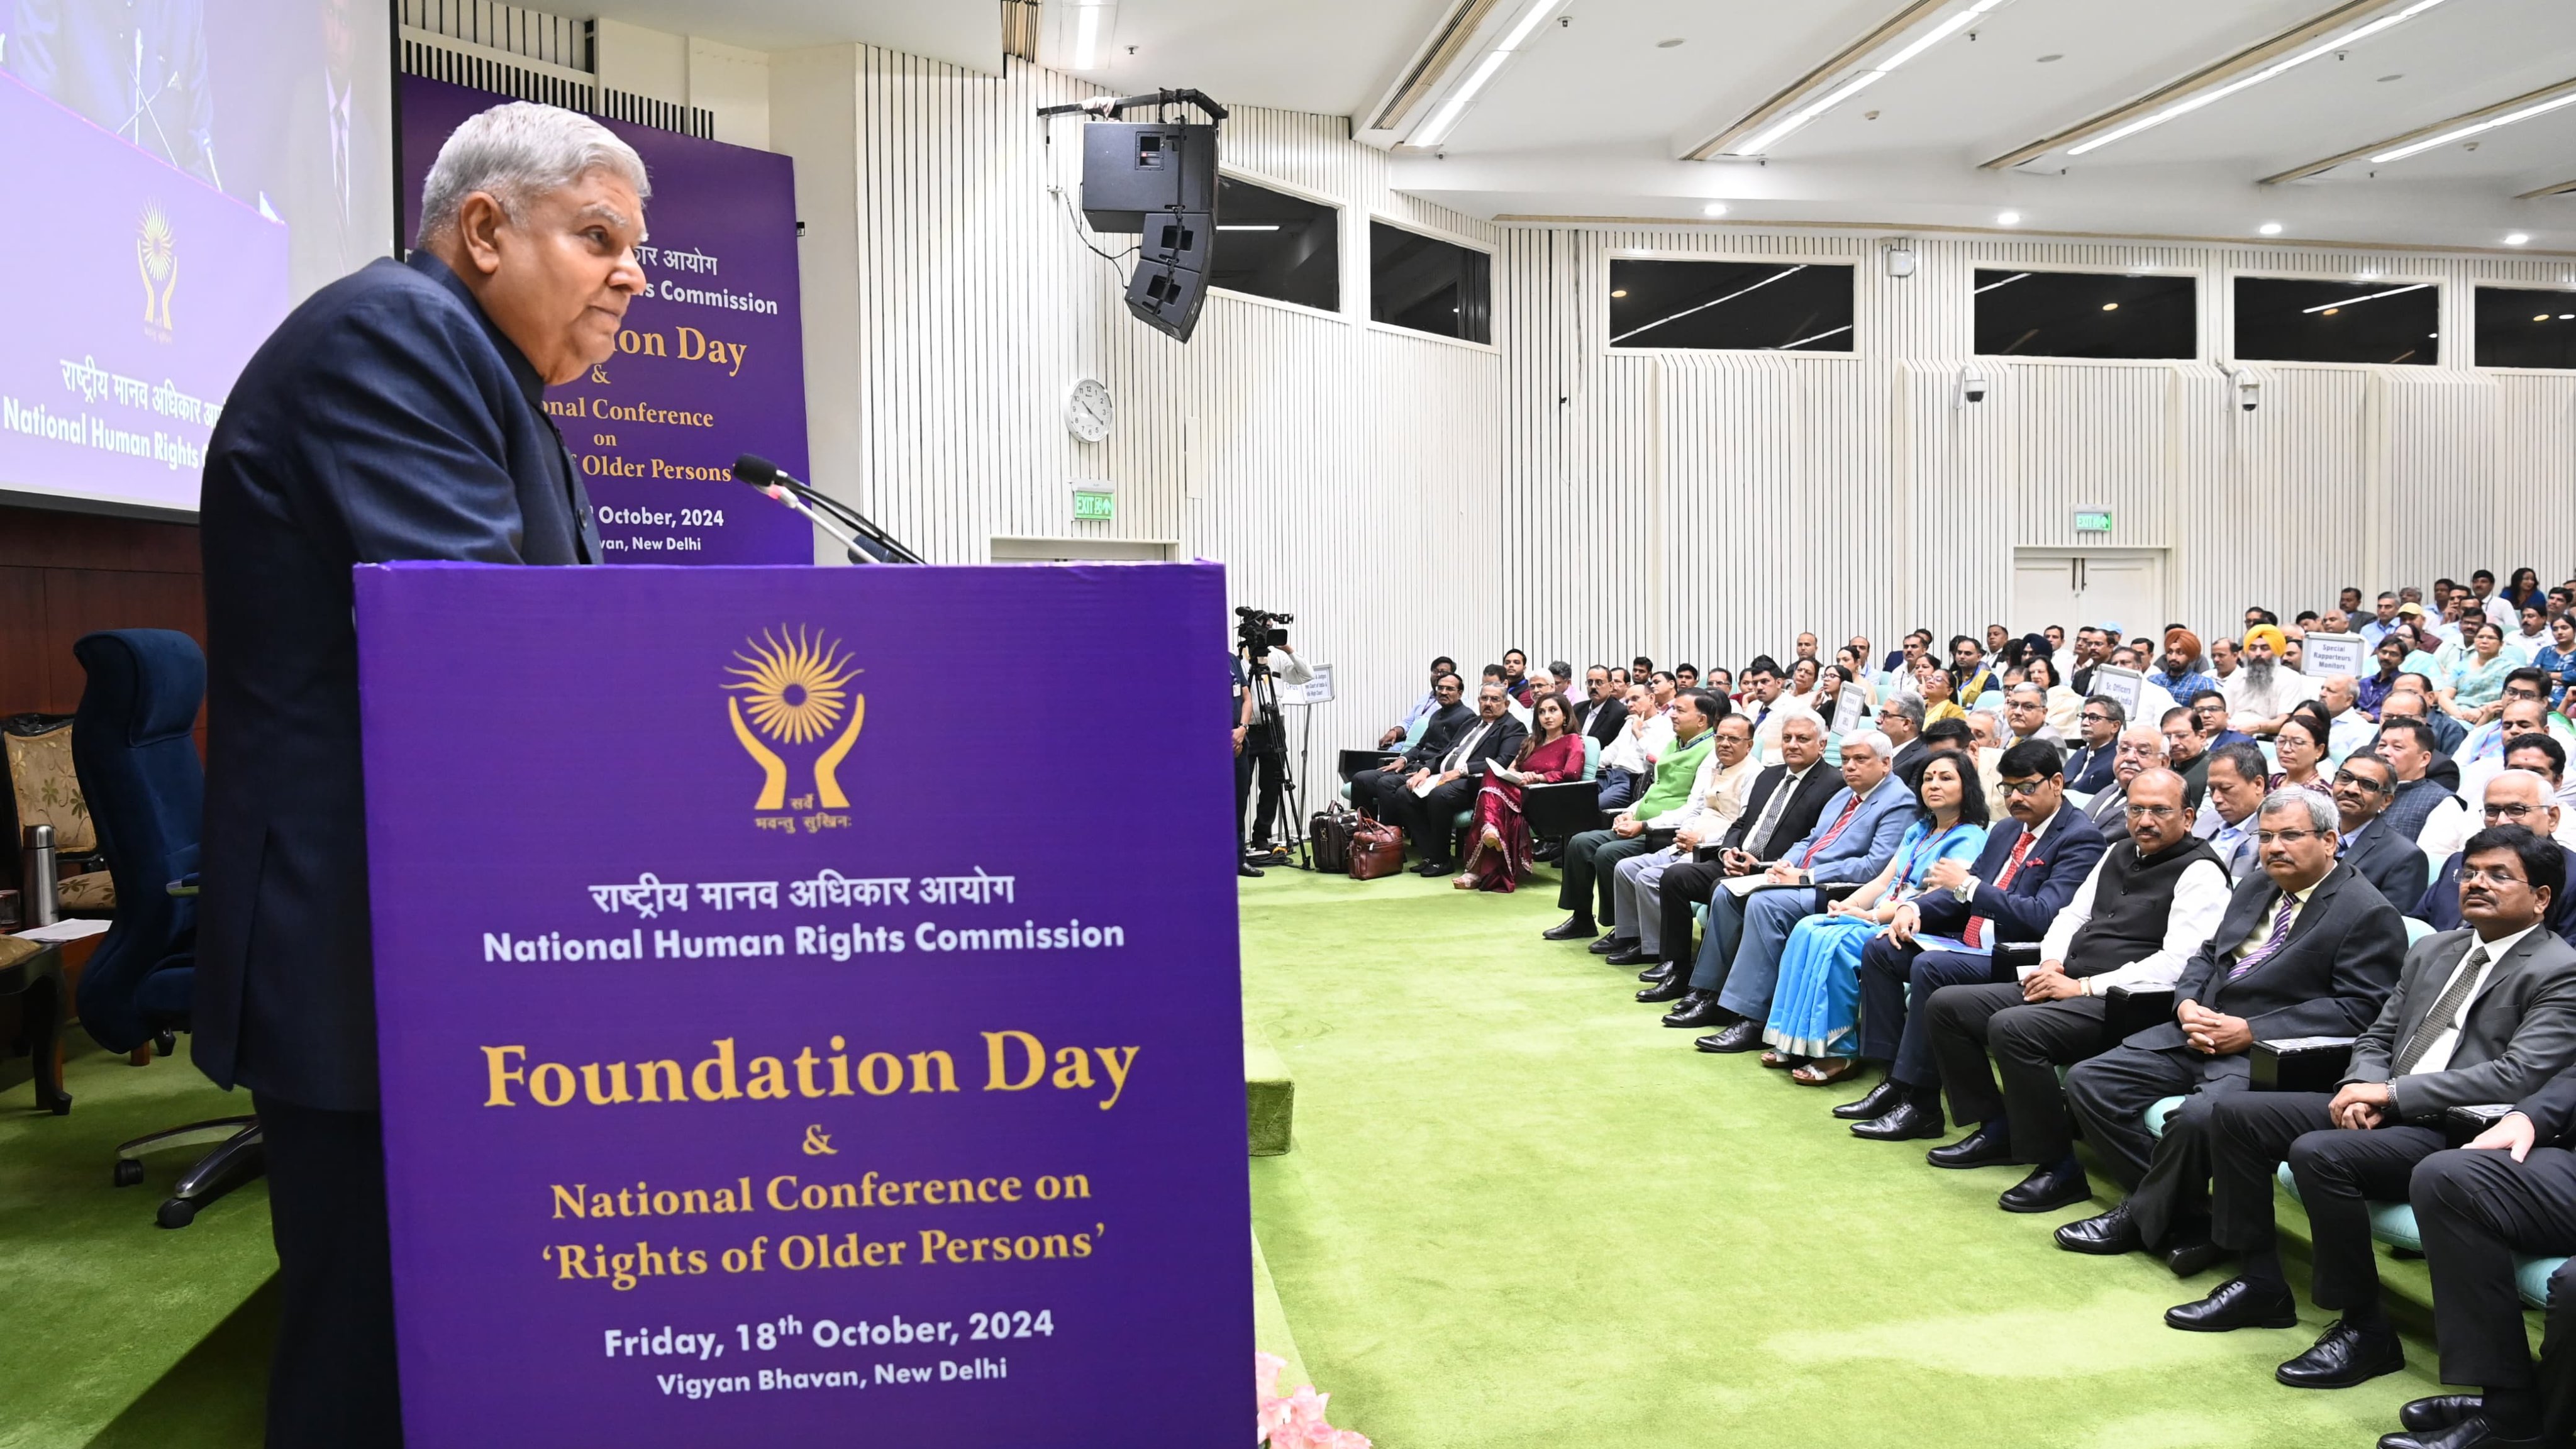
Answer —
2519 1032
2329 979
386 418
2023 911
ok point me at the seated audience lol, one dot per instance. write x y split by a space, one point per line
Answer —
2177 671
2305 759
2186 752
1815 1006
1498 852
1624 765
2305 949
1429 704
1438 734
2136 919
2511 1189
2546 758
2485 1014
2224 660
2373 848
2065 706
1716 802
1853 839
2424 810
1780 807
2227 813
1592 855
2476 689
1429 800
2141 748
2522 709
2032 863
2390 652
2558 662
1603 710
1901 720
2260 694
2026 716
2382 619
2210 708
2092 650
2347 728
1515 677
1969 674
2088 768
2515 797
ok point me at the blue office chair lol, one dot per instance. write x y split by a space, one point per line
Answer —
132 747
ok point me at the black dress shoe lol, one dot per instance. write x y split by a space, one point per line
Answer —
1434 867
2344 1356
1568 929
1874 1103
1744 1036
2235 1304
1697 1009
1989 1146
1244 868
2477 1431
2049 1187
1611 944
2106 1235
1671 988
1910 1119
1631 955
2440 1411
2193 1255
1661 972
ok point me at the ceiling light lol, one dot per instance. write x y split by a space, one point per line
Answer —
1090 22
2110 306
1782 126
1618 291
2007 218
1436 130
2456 133
2270 228
2330 308
2567 316
2543 317
1714 208
1248 226
2517 239
2288 63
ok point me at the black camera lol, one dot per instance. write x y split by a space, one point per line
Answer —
1258 631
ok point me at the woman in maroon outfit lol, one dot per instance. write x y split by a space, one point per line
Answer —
1498 858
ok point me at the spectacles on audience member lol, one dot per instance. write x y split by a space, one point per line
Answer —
2516 811
2286 837
2130 749
2020 787
2154 812
2347 777
2520 691
2490 875
2092 716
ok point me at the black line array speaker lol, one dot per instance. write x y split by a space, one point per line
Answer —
1170 280
1130 168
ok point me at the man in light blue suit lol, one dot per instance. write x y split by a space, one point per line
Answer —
1853 840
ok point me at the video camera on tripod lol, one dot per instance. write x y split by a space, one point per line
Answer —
1257 632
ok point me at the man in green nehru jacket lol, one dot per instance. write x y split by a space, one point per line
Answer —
1592 857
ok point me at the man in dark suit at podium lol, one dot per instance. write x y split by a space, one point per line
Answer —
394 415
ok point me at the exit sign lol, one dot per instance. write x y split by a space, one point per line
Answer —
1094 505
2093 520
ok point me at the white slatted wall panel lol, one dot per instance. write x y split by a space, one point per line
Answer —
1343 472
1765 464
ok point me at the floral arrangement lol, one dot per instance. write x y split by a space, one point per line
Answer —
1295 1421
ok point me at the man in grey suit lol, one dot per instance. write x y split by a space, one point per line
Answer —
2307 948
2483 1014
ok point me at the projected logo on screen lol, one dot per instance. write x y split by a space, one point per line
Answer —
156 256
791 691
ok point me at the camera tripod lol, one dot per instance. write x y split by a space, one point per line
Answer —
1270 724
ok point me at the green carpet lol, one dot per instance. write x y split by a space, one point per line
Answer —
1521 1212
102 1304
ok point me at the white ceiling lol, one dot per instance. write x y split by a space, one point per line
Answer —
1588 118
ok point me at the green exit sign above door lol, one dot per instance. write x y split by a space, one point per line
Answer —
1094 505
2092 520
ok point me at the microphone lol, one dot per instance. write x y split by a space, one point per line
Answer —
755 470
862 540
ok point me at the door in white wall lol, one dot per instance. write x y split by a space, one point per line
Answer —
2077 587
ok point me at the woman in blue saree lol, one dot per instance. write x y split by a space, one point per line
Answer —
1816 1006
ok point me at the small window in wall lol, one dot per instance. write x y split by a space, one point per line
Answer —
2519 327
2086 314
1773 306
2282 320
1271 244
1429 285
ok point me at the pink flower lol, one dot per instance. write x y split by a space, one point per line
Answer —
1294 1421
1265 1373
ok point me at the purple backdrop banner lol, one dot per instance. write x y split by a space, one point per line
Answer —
711 363
780 1035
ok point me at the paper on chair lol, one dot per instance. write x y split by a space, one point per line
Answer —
71 930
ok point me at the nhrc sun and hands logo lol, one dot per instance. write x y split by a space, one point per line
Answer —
156 257
790 691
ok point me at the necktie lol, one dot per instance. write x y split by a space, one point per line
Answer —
1464 746
1850 808
2446 1010
1975 935
1771 812
2279 938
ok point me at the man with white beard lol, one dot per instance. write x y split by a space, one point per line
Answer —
2262 692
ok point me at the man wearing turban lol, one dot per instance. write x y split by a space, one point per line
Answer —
2178 671
2265 689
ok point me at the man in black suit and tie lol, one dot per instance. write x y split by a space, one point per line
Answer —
2088 767
1603 713
2027 872
1452 718
2484 1014
1427 803
1901 720
393 415
2513 797
2141 747
2135 921
2363 786
1779 811
2306 949
2511 1190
